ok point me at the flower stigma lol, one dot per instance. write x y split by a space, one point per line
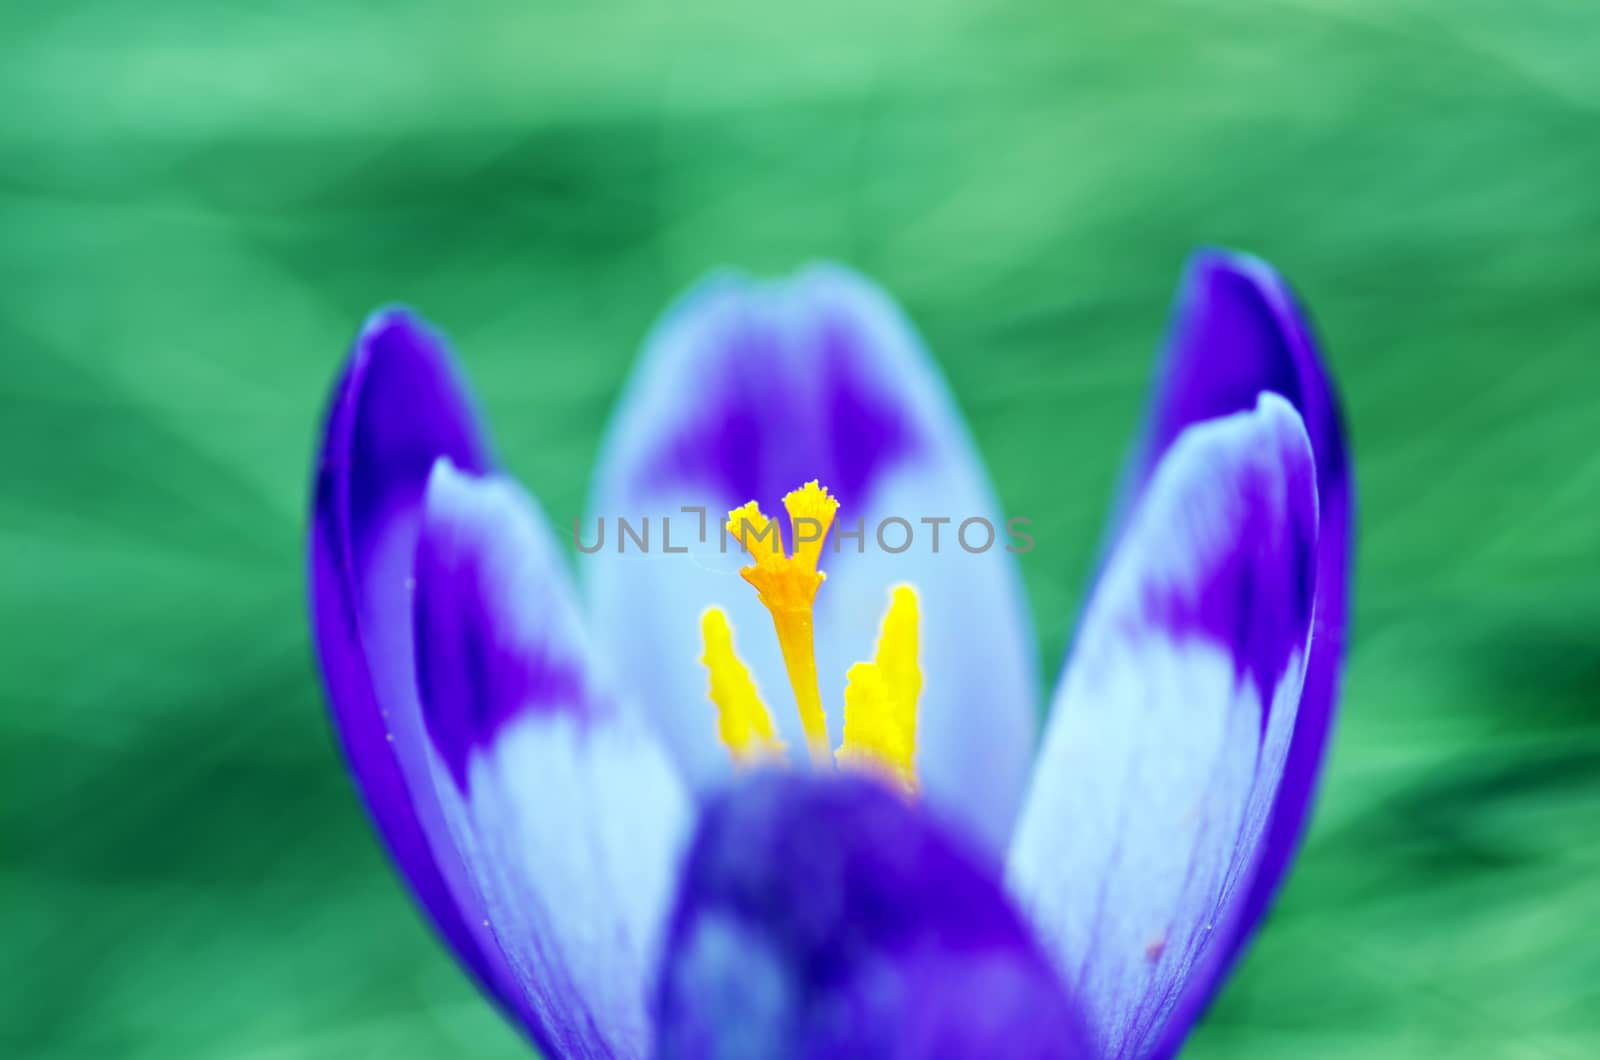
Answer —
880 720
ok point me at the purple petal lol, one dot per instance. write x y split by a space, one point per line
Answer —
747 390
1239 330
825 917
496 630
835 421
1169 734
398 407
567 814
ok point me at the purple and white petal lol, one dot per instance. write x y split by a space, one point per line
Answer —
747 390
1172 726
1239 330
397 409
566 812
824 916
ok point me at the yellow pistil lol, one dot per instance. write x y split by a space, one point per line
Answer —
788 586
880 699
742 718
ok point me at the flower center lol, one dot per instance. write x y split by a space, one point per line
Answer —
880 698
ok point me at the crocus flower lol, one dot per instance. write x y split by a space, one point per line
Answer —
688 817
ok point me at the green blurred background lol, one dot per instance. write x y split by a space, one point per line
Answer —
198 206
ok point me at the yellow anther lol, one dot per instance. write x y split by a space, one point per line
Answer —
880 699
742 718
788 586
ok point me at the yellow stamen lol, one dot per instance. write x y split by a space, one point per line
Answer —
742 718
788 586
880 699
